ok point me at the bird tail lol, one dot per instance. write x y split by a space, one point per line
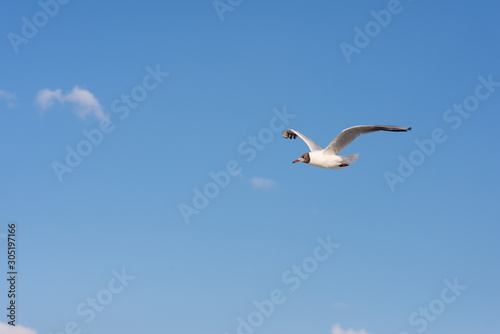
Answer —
349 159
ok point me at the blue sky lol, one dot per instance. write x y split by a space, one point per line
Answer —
155 100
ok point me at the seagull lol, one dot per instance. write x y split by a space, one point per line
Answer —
328 157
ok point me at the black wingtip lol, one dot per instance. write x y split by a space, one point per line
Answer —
289 134
409 129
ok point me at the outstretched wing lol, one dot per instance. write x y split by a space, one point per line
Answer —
348 135
292 134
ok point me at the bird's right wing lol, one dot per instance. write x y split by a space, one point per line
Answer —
348 135
292 134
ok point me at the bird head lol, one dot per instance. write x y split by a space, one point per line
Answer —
303 158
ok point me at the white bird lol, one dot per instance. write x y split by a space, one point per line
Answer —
328 157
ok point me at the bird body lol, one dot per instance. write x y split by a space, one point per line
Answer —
323 159
329 157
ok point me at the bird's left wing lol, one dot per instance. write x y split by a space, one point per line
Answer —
292 134
348 135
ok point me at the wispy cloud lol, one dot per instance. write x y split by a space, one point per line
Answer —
17 329
262 182
337 330
9 98
46 97
83 102
339 305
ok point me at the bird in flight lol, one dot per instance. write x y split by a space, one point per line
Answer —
329 157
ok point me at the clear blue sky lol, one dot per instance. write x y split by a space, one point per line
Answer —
103 246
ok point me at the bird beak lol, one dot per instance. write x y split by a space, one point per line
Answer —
298 160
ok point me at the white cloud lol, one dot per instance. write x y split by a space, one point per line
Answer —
262 182
17 329
46 97
337 330
84 102
8 97
339 305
